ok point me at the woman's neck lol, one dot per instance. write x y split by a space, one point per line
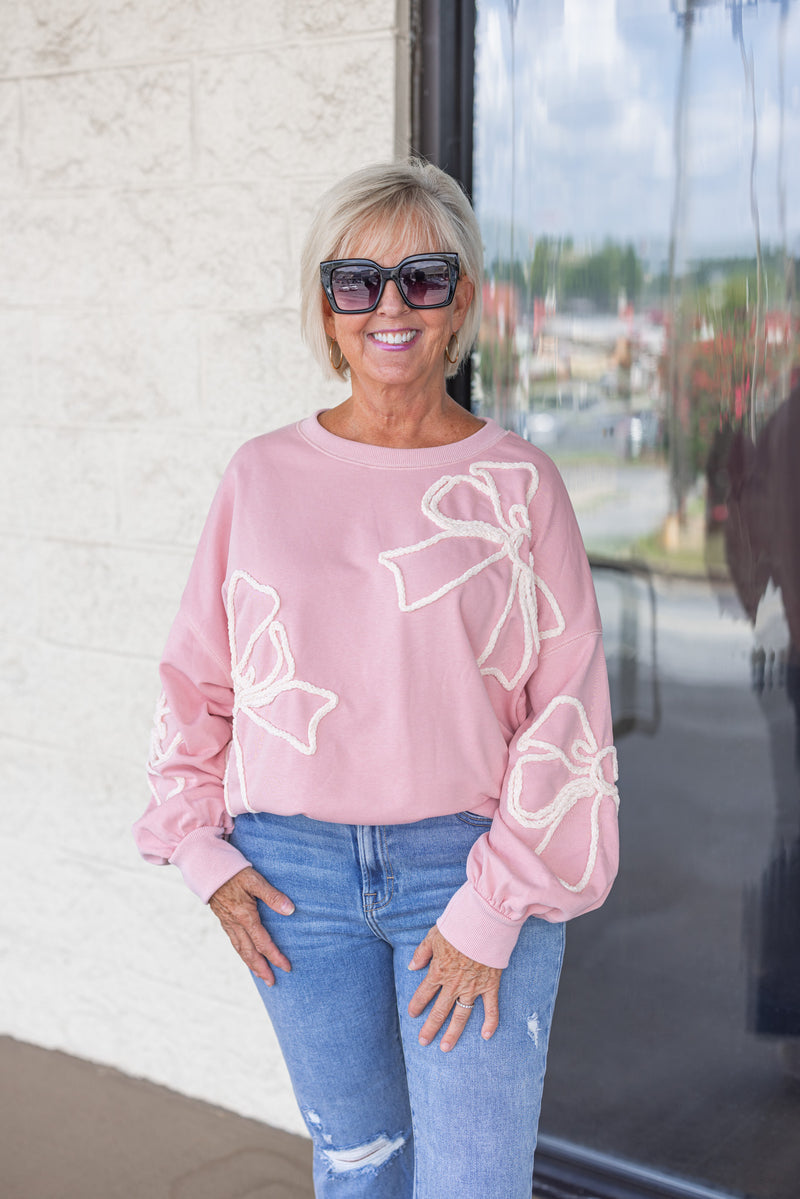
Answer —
400 424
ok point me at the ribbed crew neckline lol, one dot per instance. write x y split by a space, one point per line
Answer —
389 456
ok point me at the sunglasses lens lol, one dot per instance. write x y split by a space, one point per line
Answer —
426 283
355 288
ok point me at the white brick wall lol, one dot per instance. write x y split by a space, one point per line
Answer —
158 161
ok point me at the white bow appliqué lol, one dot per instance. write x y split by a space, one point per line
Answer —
267 644
511 533
161 751
582 768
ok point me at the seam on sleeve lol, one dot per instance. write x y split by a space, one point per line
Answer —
553 648
225 666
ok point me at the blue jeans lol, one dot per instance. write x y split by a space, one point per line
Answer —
389 1118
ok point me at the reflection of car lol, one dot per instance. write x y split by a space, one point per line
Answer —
582 420
635 435
542 428
637 432
552 416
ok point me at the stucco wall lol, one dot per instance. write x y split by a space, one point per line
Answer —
158 159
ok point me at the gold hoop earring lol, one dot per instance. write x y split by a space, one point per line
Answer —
336 365
454 359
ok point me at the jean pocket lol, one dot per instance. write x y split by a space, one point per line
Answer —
474 820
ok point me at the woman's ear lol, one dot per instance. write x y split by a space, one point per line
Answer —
328 320
465 290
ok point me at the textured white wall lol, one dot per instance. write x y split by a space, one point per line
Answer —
158 159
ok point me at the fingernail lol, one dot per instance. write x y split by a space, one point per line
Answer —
446 1046
287 907
424 1041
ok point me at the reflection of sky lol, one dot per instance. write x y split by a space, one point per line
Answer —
595 90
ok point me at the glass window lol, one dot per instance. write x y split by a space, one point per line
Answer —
637 181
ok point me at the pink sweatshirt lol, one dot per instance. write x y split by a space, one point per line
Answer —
377 636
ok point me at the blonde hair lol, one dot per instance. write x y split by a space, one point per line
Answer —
387 200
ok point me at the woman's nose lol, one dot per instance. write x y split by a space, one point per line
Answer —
392 298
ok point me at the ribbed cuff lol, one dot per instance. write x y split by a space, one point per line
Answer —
477 930
206 861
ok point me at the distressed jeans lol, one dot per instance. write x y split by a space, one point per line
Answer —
389 1118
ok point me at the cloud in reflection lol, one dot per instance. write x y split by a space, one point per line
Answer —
594 96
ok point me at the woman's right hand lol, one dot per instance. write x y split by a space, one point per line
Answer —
234 905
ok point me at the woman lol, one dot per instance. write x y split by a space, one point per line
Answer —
383 752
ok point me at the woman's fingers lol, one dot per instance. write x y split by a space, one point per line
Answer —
422 954
234 905
456 1026
247 951
270 895
423 995
266 947
454 982
436 1018
491 1014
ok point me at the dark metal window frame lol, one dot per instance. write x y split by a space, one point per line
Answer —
442 114
442 102
568 1171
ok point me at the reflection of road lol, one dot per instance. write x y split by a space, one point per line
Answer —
695 643
618 502
653 1025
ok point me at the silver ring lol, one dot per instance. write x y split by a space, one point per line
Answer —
468 1006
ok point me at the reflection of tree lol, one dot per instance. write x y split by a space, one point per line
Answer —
602 277
555 277
720 375
498 365
723 336
557 269
499 358
716 364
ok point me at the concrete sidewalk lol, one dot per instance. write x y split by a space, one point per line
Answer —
70 1129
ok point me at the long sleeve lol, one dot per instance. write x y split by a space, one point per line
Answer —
186 820
552 850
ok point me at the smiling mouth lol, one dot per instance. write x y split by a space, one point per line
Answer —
395 339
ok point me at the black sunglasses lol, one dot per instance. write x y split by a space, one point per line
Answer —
355 285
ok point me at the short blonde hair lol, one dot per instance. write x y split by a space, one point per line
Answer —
385 200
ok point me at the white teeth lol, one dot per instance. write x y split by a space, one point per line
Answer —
394 339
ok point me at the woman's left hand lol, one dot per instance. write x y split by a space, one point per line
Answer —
454 976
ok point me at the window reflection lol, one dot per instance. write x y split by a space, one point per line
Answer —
637 183
762 544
